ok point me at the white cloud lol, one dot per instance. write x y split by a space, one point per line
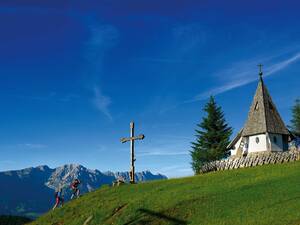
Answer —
102 38
242 73
102 103
281 65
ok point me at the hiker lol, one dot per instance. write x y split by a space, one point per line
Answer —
119 181
58 198
74 187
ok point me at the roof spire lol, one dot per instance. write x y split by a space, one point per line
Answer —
260 70
263 116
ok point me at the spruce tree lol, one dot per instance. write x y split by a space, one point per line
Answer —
295 121
212 137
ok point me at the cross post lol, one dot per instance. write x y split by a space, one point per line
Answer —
260 70
132 138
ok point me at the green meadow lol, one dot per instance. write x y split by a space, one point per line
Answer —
262 195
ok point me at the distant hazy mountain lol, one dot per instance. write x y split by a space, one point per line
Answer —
30 192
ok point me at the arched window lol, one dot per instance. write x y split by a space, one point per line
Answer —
257 140
256 106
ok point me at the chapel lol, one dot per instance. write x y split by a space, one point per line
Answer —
264 130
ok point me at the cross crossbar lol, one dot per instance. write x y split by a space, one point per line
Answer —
140 137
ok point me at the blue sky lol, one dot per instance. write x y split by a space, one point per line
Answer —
74 74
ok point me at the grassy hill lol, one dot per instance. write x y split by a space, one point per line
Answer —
262 195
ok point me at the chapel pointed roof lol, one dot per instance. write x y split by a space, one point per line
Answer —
263 116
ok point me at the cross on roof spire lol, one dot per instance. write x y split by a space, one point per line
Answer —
260 70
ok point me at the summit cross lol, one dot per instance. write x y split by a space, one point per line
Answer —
132 138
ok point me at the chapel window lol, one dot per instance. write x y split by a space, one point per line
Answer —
257 140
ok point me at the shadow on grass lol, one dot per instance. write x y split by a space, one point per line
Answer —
174 221
152 217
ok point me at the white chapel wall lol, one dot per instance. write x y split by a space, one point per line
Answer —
233 152
259 146
236 146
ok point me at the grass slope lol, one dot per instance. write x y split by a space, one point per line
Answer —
262 195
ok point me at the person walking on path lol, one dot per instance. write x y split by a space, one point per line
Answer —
74 187
58 198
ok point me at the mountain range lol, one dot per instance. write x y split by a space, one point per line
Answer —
30 192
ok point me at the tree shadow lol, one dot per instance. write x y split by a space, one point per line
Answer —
155 215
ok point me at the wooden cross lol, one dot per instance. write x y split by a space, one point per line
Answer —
132 138
260 70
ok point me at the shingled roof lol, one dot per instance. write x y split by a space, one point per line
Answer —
263 116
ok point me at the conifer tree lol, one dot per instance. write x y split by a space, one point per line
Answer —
295 121
212 137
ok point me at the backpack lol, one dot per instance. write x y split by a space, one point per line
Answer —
75 184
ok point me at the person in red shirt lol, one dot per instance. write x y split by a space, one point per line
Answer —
75 189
